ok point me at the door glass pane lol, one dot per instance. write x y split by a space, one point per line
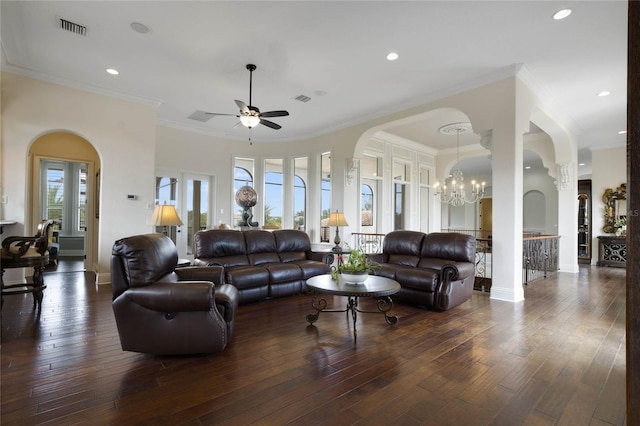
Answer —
401 195
425 178
197 209
167 192
55 193
399 208
81 219
366 207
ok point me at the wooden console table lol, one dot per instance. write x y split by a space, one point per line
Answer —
612 251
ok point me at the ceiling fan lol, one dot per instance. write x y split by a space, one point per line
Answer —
250 116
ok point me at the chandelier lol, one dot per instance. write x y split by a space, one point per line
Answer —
453 191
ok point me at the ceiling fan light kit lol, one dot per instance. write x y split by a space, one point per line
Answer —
250 116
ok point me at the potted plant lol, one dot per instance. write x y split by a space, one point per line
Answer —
355 268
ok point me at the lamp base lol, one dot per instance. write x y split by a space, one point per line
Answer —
336 241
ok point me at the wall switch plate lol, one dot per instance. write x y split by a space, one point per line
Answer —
4 199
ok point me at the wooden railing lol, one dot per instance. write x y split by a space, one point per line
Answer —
371 243
539 256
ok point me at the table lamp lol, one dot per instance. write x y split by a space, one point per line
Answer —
337 219
165 215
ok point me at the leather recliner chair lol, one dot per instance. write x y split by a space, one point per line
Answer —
163 310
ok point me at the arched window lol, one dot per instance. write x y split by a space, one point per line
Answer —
366 205
299 203
241 177
273 200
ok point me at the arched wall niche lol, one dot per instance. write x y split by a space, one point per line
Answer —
534 205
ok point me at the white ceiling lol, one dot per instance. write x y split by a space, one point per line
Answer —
334 52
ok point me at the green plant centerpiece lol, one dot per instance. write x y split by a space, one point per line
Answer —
354 266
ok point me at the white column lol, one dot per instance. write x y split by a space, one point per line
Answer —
507 143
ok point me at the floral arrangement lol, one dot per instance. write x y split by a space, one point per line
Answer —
621 226
356 261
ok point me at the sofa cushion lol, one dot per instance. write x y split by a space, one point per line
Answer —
261 247
419 279
449 245
214 243
311 268
226 261
403 247
283 272
243 277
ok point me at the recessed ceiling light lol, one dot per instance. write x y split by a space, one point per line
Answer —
622 132
604 93
140 28
527 167
580 164
561 14
392 56
113 71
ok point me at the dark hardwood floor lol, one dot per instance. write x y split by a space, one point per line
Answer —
557 358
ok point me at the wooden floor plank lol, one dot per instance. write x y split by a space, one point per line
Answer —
556 358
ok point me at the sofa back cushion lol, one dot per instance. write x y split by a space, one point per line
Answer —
292 245
143 259
224 247
261 247
403 247
449 245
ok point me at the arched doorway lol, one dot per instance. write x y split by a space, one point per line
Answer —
64 186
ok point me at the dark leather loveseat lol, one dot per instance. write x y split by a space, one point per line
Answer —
434 270
163 310
261 264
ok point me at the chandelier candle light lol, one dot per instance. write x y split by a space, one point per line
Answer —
453 191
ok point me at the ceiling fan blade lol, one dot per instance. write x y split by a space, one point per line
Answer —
217 113
274 114
243 107
270 124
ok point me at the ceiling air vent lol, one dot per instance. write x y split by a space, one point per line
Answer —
202 116
302 98
72 27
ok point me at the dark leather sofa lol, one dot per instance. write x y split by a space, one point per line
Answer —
261 264
434 270
163 310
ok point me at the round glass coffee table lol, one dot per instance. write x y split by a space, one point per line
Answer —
374 286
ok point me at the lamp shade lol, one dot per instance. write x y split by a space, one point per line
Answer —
165 215
337 219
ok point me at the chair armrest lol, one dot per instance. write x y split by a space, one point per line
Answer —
227 299
214 274
320 256
185 296
16 247
377 257
457 271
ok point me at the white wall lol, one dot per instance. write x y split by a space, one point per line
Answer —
123 134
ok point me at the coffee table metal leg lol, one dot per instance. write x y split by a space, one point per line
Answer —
352 305
319 305
385 304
